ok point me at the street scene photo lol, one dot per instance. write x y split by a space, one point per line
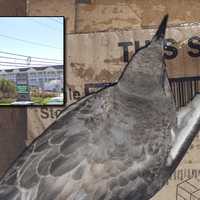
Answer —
31 61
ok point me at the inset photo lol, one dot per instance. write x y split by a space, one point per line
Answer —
32 61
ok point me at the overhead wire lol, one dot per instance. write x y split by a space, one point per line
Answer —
15 67
18 67
45 25
32 60
14 63
38 58
55 20
29 42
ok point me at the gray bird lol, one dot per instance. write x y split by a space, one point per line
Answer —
121 143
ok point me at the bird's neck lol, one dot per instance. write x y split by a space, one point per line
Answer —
143 76
141 83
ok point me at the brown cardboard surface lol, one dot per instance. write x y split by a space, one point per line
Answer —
102 15
13 124
54 8
176 184
12 8
39 119
108 15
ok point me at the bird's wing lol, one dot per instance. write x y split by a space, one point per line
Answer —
44 168
69 160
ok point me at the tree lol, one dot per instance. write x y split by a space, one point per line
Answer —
7 88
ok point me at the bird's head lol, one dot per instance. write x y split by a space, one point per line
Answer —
143 75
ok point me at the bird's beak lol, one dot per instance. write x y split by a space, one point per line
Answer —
160 34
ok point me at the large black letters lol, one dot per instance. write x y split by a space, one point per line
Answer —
194 43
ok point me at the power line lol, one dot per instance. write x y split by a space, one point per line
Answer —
13 63
41 61
38 58
46 25
55 20
23 66
18 67
29 42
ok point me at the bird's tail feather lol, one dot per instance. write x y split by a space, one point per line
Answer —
188 128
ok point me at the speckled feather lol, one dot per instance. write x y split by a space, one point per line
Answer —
111 145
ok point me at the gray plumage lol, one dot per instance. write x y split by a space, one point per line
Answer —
111 145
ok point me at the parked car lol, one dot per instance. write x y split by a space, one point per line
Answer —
56 101
22 103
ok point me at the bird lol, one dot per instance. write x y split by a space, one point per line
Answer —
120 143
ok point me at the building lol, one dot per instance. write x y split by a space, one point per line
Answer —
37 76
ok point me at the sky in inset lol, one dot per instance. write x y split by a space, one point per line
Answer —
34 37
